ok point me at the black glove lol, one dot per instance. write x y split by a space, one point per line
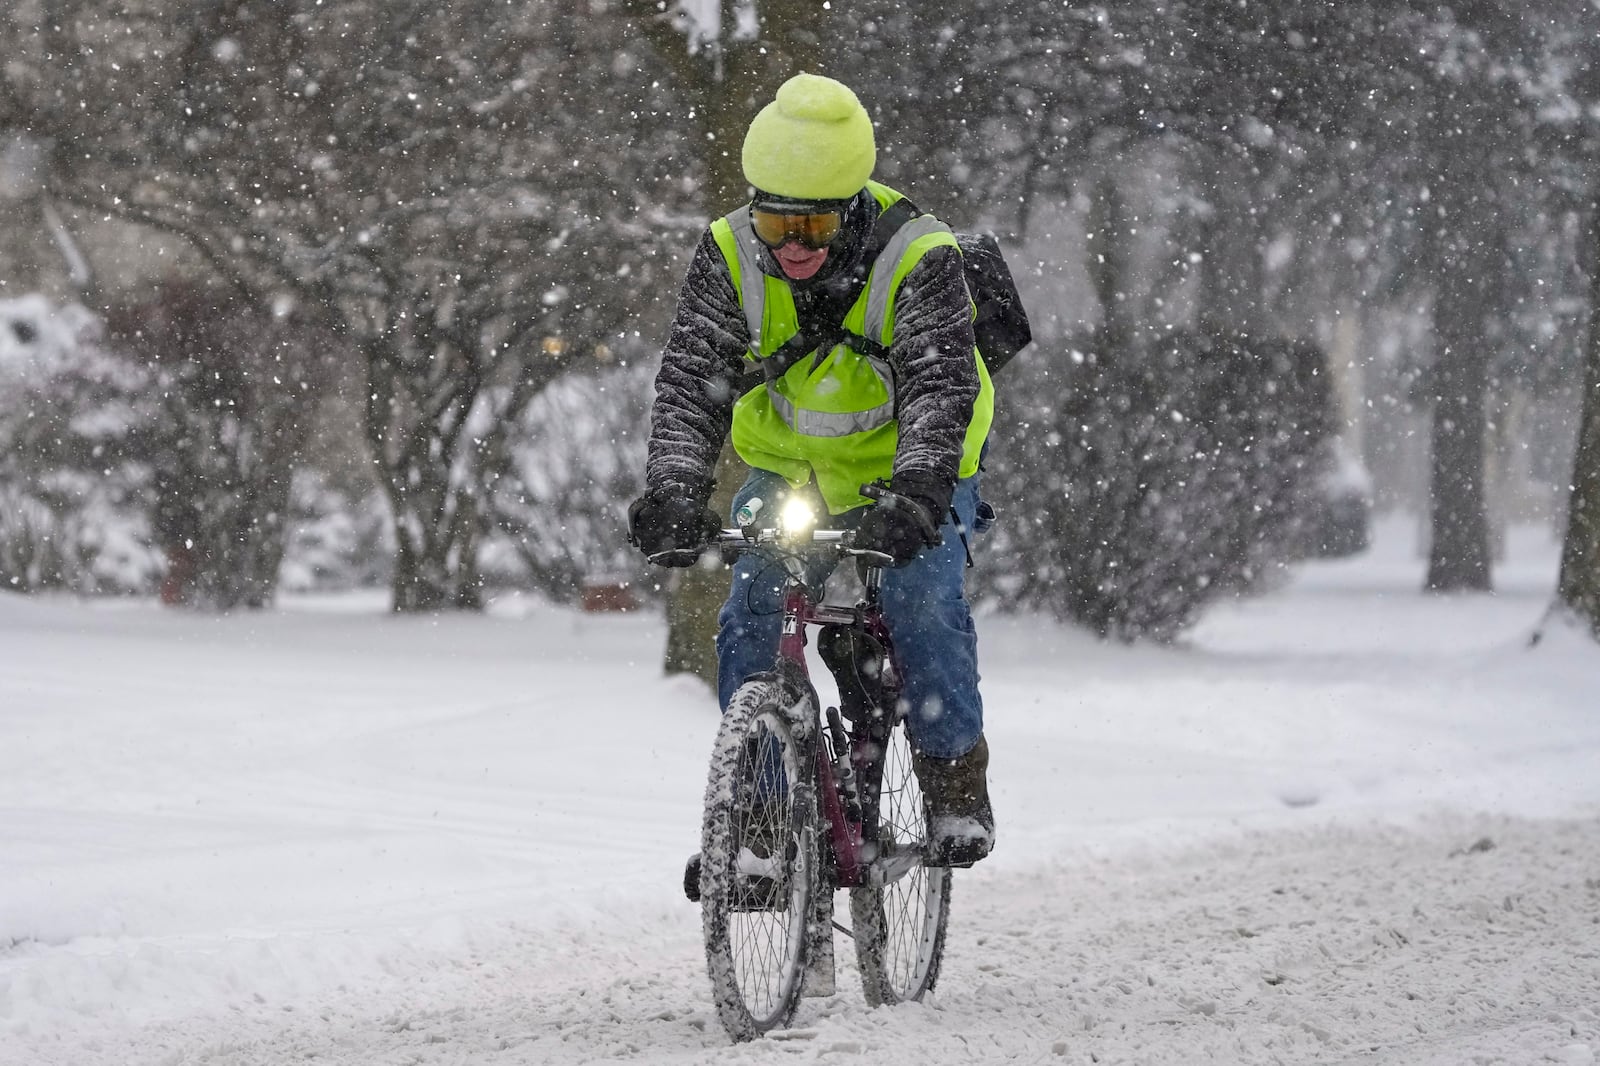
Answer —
672 518
902 525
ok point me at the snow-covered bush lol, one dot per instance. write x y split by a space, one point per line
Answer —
157 446
73 486
561 495
1134 492
337 537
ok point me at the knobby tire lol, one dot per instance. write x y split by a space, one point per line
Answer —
756 955
899 927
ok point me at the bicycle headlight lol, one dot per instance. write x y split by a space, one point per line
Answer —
797 517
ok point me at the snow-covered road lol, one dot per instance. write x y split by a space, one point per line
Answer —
1452 940
1342 823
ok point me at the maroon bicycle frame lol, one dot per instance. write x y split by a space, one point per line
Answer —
800 611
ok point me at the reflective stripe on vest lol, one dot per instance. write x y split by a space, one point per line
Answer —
811 423
752 282
878 291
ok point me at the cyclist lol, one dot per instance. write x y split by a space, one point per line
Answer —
838 349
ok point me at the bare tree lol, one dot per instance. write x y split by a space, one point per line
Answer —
1465 264
422 177
1579 585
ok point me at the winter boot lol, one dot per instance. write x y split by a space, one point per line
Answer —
960 820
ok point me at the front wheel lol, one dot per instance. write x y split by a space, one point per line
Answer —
758 868
899 919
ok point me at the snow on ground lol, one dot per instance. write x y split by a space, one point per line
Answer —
1344 822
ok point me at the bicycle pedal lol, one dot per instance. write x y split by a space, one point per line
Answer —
753 891
752 894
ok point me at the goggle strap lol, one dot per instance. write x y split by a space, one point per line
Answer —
779 205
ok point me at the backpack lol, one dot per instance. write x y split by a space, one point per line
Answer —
1001 326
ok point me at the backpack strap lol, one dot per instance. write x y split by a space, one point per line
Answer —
890 219
774 366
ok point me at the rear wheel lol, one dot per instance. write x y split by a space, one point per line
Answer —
899 925
758 861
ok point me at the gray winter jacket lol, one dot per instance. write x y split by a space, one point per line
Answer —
936 375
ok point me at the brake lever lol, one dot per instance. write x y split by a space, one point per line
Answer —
674 556
866 555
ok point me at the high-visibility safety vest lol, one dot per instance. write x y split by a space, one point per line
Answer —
832 415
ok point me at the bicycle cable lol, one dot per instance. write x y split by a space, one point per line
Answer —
770 559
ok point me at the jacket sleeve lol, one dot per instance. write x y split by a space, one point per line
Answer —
933 356
700 366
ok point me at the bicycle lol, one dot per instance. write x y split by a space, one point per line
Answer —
802 801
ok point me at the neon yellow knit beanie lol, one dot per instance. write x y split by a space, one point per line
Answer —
813 142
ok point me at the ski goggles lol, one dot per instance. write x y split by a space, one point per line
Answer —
815 229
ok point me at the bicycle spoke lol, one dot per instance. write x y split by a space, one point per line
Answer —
901 918
757 852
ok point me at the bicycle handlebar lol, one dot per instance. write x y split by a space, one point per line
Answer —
753 538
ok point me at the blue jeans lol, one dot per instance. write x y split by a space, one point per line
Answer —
924 605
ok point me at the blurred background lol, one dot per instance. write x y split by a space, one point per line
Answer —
319 295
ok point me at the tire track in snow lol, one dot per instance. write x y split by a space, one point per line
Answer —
1449 940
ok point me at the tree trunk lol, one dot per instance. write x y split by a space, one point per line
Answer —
241 548
1579 585
1233 269
1110 251
699 591
1464 270
414 423
727 83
